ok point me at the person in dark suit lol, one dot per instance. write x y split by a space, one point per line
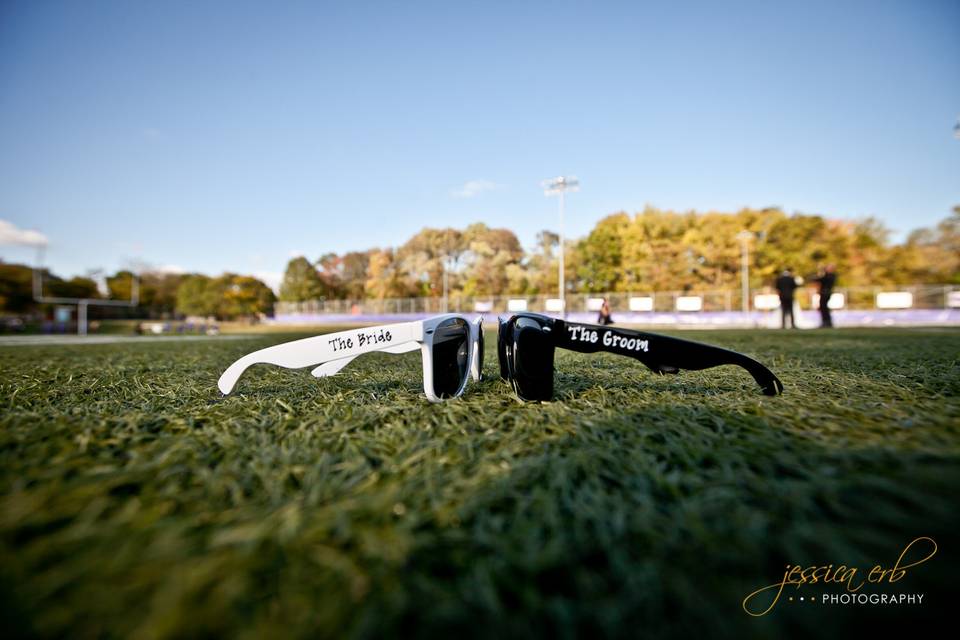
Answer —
786 284
827 279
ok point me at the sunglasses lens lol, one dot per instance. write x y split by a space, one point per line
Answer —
450 347
533 360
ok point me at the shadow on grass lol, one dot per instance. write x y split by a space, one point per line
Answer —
666 523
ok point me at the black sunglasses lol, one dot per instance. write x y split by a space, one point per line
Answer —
526 343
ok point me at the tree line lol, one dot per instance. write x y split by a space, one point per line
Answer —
226 297
653 250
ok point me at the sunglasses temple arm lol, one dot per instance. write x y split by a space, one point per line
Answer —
664 354
328 369
695 356
323 348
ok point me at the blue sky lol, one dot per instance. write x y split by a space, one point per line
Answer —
225 136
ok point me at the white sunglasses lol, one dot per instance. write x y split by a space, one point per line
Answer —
450 344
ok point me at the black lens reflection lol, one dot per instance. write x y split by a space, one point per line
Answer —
450 348
532 360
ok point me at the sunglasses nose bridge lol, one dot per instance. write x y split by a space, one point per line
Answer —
504 348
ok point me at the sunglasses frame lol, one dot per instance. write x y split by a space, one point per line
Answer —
659 353
330 352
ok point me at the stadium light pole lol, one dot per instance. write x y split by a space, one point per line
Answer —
559 186
745 237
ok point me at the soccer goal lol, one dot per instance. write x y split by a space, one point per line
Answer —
81 303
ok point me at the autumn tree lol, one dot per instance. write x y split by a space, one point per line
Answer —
157 290
427 255
655 257
302 282
76 287
542 264
932 255
600 255
197 297
242 297
488 256
353 273
226 297
344 277
161 289
385 278
120 285
16 288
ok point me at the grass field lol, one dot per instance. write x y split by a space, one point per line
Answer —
134 500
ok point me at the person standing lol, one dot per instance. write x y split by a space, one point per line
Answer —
604 318
827 279
786 284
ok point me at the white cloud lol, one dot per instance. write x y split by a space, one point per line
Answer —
138 265
10 234
270 278
172 269
297 253
473 188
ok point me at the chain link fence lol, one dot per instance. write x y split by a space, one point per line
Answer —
917 296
